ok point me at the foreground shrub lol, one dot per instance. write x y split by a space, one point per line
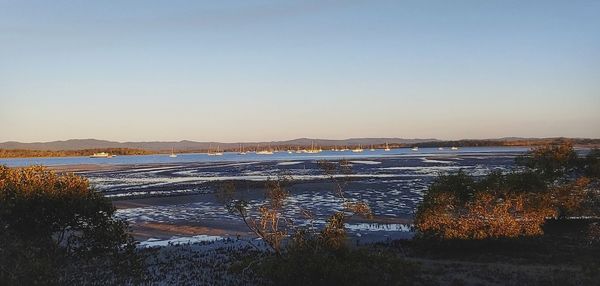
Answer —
55 230
552 185
457 207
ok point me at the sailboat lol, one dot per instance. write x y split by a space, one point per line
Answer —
387 147
216 153
264 152
358 150
242 152
173 155
454 148
372 149
312 149
415 148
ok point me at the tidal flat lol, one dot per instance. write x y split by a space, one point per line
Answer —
171 201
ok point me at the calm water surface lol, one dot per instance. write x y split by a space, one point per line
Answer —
231 156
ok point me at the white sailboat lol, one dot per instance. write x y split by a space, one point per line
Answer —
215 153
454 148
358 150
264 152
242 152
312 149
415 148
387 147
372 149
173 155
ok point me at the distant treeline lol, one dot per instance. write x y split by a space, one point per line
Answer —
22 153
19 153
517 142
434 144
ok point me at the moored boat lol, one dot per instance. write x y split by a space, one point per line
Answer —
387 147
101 155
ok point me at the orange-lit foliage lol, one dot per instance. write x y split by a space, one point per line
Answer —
48 221
473 211
568 197
551 161
514 204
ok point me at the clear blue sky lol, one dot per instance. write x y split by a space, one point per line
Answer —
270 70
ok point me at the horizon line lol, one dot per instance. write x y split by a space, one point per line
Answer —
300 138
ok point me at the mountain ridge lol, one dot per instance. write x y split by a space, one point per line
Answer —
189 145
89 143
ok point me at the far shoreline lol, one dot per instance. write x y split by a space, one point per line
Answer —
30 153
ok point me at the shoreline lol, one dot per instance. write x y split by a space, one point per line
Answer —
582 143
85 164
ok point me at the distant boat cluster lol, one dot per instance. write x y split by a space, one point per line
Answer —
314 149
215 152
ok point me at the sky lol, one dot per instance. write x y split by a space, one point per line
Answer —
274 70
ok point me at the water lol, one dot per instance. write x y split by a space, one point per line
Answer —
234 157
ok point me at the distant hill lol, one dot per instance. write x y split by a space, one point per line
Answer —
185 145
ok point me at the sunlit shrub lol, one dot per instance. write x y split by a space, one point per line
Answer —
50 223
513 204
551 161
457 207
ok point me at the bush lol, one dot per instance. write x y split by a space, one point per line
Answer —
553 184
52 225
457 207
591 164
551 161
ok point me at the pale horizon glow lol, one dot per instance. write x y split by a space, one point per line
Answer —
234 71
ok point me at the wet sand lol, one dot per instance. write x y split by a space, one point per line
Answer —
161 201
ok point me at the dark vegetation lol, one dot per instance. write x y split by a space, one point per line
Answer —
21 153
55 230
511 142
